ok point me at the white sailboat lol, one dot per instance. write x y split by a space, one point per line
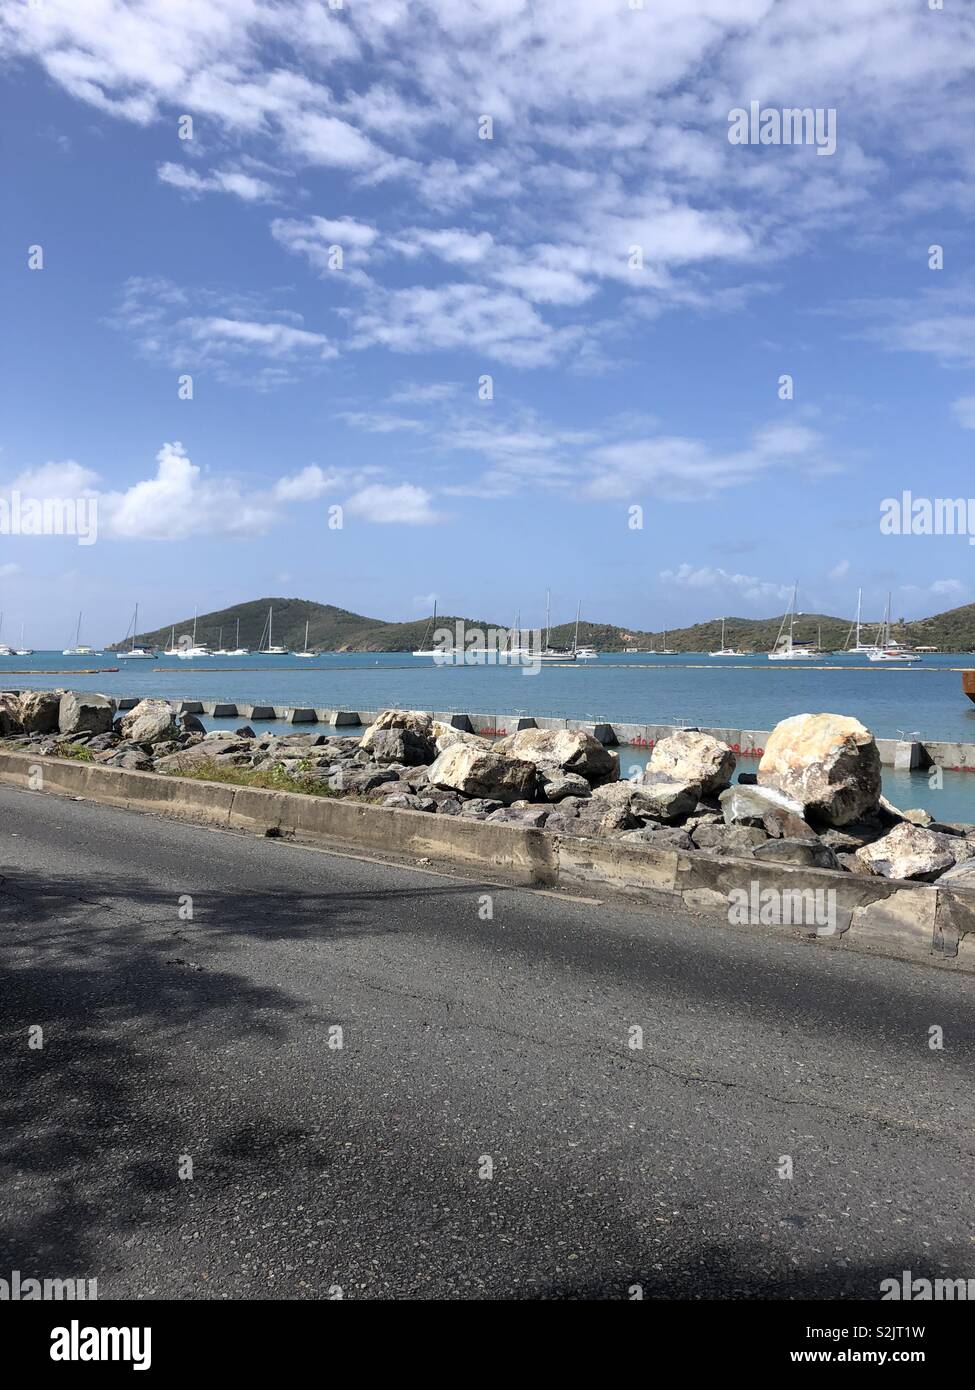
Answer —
271 649
423 650
306 652
135 653
195 648
79 648
786 647
22 650
725 651
238 650
858 648
548 652
887 649
585 653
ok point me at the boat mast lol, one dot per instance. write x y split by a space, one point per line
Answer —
548 618
575 640
237 643
135 624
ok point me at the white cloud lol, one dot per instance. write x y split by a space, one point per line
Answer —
181 501
840 570
404 505
244 186
8 570
964 409
305 486
748 586
950 587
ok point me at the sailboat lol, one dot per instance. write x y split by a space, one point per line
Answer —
582 653
4 649
195 648
22 650
786 647
886 648
238 649
306 652
79 649
135 653
723 650
271 649
548 652
424 650
172 649
859 648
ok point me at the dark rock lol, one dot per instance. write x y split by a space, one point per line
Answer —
728 839
810 854
245 730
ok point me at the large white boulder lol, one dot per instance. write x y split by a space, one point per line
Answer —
694 759
482 772
567 750
829 763
80 712
150 721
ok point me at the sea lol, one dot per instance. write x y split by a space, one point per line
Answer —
920 702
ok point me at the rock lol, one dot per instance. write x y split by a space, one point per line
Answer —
749 805
527 816
660 798
79 711
211 747
482 772
810 854
693 758
569 750
448 806
403 801
918 817
479 806
961 875
728 839
445 736
130 758
193 724
102 742
829 763
371 778
151 721
571 784
40 710
853 836
659 837
245 730
852 864
399 746
613 819
416 723
10 714
910 851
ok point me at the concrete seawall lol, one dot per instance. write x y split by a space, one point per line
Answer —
912 921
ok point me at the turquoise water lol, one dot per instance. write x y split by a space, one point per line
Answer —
924 701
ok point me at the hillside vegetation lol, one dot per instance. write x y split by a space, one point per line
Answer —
336 629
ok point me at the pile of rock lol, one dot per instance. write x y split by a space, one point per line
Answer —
815 800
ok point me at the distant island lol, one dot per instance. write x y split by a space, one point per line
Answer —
332 629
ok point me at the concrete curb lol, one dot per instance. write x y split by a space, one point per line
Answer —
910 921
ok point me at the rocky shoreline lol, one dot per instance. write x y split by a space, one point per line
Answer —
815 800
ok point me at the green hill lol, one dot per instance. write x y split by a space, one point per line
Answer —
336 629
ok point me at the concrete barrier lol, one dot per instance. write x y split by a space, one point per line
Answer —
915 921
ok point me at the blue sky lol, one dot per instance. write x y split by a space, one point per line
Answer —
613 386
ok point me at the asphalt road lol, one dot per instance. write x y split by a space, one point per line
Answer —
361 1167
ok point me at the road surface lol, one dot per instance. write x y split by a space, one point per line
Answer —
471 1045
